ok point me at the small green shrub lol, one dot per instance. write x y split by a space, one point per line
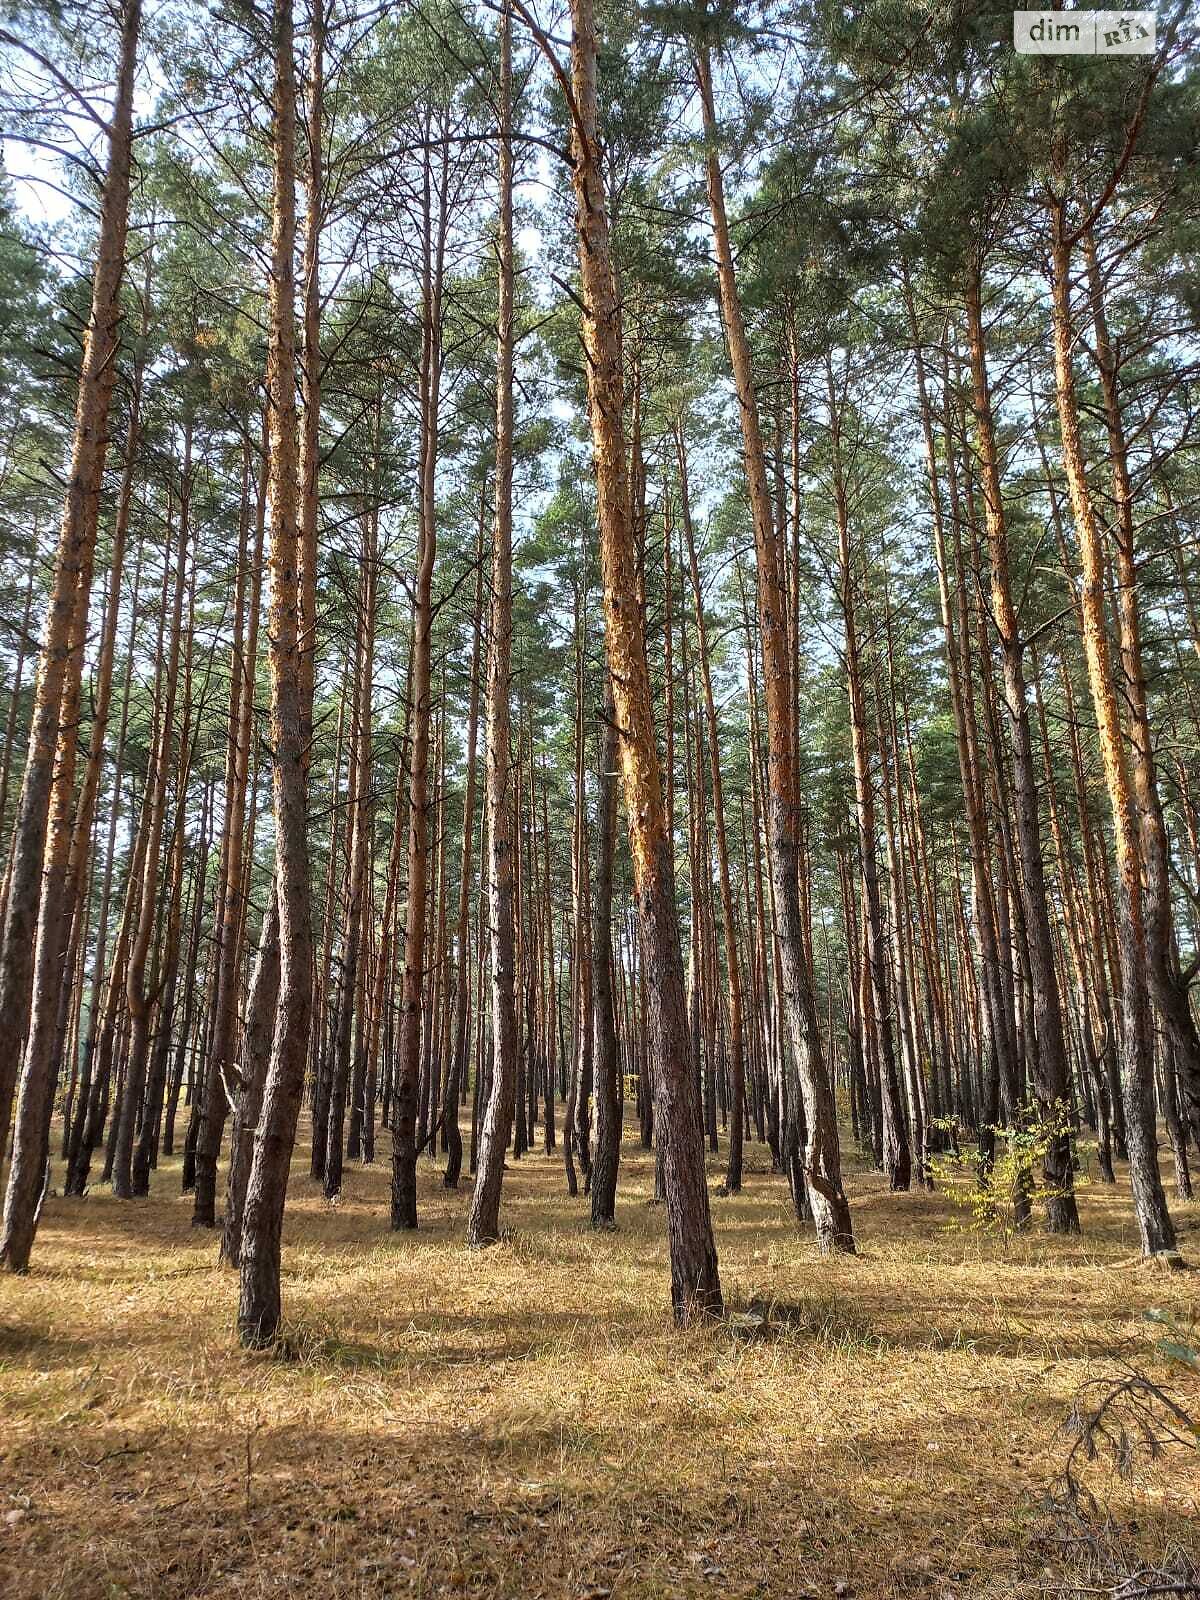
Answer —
996 1200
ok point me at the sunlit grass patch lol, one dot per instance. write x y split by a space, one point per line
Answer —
526 1420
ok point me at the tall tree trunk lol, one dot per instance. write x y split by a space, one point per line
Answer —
52 740
383 967
187 1047
85 807
350 1016
576 1129
325 997
996 1041
493 1135
408 1064
695 1284
1170 987
607 1066
733 1170
483 1221
54 966
1048 1057
1137 1061
457 1070
141 989
145 1150
822 1154
897 1154
107 986
291 713
234 867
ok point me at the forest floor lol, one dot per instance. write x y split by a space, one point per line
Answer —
525 1421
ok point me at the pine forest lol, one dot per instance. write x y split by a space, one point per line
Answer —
599 800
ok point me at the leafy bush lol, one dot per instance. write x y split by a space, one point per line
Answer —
995 1199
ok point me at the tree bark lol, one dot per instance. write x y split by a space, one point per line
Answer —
483 1220
897 1154
737 1059
412 994
822 1153
291 712
1170 987
695 1284
1137 1063
607 1155
457 1067
1047 1058
223 1041
52 740
247 1088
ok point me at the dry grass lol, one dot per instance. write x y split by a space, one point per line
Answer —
525 1421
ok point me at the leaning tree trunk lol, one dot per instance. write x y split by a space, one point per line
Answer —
29 1173
85 806
64 892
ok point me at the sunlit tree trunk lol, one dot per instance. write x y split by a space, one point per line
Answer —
53 737
1170 987
695 1285
822 1155
1137 1063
